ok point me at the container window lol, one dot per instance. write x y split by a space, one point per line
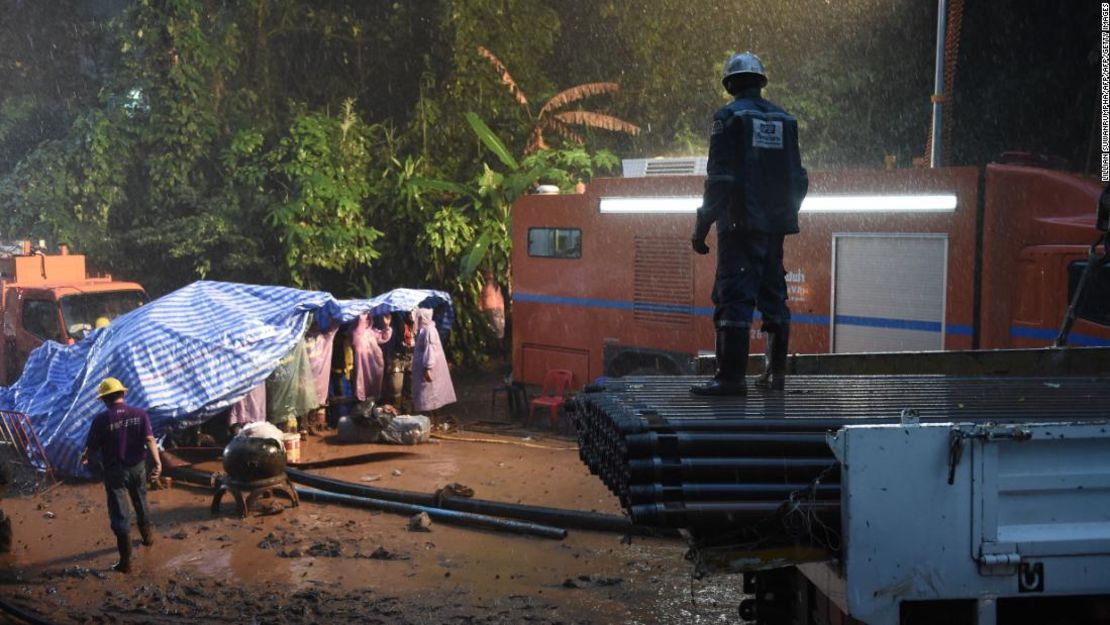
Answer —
1095 305
40 317
555 242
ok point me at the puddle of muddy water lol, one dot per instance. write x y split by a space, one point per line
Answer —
588 577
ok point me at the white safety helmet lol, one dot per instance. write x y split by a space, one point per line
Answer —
744 63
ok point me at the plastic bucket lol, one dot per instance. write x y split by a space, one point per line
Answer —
292 448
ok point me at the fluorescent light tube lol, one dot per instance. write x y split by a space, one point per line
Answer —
650 204
938 203
879 204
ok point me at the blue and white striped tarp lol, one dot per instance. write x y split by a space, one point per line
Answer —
400 300
184 357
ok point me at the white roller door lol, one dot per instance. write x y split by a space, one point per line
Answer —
888 292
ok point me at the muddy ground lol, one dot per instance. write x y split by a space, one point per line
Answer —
323 564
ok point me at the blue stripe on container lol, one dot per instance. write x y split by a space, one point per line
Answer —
537 298
1043 334
707 311
893 324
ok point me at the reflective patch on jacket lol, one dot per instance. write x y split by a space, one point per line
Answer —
766 134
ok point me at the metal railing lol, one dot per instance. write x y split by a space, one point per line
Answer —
22 453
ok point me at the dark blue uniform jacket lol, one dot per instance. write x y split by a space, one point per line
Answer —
755 180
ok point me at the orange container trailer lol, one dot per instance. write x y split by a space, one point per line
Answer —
605 282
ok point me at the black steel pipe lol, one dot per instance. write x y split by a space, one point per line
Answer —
872 396
723 424
662 470
661 493
728 516
725 444
680 460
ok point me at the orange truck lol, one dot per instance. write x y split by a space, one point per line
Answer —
51 297
605 283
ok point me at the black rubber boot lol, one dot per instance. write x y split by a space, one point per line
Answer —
773 377
763 381
732 364
146 530
5 533
123 543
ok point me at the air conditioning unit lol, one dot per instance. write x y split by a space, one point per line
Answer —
671 166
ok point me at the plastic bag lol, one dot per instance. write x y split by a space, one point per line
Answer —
262 429
291 388
369 423
407 430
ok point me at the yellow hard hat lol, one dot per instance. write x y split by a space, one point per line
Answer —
109 386
102 322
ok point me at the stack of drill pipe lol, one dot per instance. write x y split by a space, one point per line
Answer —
683 461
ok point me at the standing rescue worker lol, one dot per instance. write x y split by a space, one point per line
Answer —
431 378
122 435
754 187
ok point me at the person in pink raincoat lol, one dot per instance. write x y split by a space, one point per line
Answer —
319 344
431 380
369 370
250 409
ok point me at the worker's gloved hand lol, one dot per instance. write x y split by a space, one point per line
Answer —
701 230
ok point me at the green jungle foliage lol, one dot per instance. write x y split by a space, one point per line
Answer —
360 146
277 142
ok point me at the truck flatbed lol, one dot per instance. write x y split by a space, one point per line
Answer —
651 399
683 461
873 499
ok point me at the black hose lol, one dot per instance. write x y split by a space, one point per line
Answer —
439 514
566 518
190 476
346 461
204 478
359 490
556 516
573 519
22 615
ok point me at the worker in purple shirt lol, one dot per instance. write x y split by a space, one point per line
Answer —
121 435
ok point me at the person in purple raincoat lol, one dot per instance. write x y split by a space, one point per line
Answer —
431 380
250 409
369 371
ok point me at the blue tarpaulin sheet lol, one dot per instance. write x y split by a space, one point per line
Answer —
184 357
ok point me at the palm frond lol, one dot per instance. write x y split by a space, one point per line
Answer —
506 77
565 131
579 92
536 141
598 120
